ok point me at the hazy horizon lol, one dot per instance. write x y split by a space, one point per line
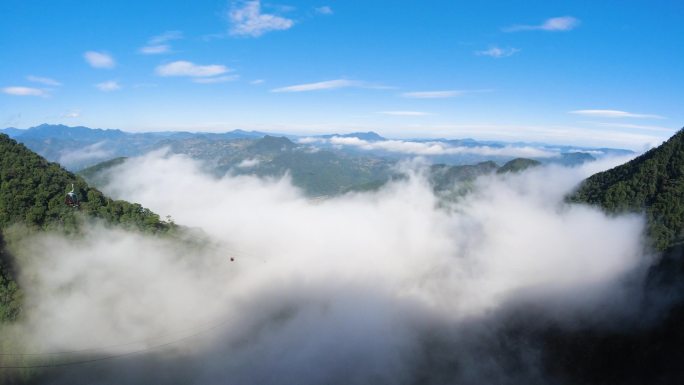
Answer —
305 136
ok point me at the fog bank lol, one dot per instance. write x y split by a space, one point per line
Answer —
383 287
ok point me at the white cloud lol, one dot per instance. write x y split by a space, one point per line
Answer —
92 153
257 82
311 139
440 148
24 91
404 113
249 163
99 59
108 86
614 114
563 23
325 85
155 49
43 80
434 94
325 10
216 79
166 36
186 68
497 52
247 20
157 44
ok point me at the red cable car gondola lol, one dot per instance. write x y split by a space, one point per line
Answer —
71 198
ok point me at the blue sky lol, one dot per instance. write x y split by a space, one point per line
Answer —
578 72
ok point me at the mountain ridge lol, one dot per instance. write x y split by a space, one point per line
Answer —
652 183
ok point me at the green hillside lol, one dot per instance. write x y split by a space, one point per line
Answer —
10 295
95 175
32 193
647 349
444 177
324 172
652 183
271 144
517 165
317 173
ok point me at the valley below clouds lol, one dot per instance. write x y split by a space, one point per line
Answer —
267 286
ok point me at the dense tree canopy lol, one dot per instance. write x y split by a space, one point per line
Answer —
518 165
653 183
32 193
10 295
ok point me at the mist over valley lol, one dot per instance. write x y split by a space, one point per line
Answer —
251 192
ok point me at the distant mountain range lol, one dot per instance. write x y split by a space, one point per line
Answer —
320 165
369 136
78 147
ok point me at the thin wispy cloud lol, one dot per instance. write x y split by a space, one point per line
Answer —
554 24
404 113
155 49
24 91
439 148
614 114
497 52
325 10
246 19
43 80
216 79
257 82
94 152
249 163
99 59
108 86
166 36
158 44
186 68
318 86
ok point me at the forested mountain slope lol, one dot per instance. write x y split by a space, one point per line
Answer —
649 348
517 165
32 193
97 175
653 183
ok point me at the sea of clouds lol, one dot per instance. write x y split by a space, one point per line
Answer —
391 286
